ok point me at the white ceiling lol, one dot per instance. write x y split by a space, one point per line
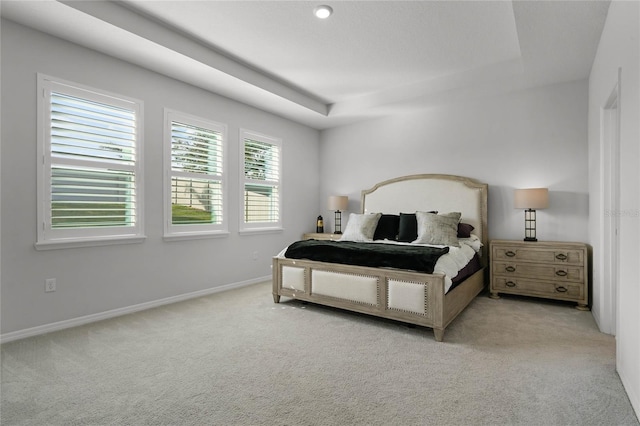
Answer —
369 58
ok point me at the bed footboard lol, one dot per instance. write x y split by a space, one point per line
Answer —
410 297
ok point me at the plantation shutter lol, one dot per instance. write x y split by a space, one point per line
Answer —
93 163
196 174
262 181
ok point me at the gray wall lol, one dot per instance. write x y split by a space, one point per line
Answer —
98 279
532 138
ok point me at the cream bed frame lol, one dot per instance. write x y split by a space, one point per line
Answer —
411 297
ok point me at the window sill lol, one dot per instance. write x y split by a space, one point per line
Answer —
194 236
260 231
67 243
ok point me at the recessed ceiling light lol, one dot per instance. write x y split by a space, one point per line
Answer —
323 11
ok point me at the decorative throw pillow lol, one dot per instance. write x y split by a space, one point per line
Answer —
439 229
464 230
387 228
361 227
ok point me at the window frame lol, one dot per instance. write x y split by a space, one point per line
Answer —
193 231
260 227
52 238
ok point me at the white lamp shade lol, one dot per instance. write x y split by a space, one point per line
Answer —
338 202
531 198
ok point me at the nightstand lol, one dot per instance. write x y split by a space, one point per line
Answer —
552 270
321 236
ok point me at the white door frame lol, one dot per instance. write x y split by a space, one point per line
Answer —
610 151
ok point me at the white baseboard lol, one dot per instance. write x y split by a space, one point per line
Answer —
74 322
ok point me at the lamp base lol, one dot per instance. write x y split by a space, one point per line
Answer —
338 222
530 225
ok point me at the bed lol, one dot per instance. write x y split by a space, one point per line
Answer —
409 296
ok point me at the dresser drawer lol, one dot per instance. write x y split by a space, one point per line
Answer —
539 255
555 290
540 271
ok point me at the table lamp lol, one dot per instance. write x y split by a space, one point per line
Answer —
531 199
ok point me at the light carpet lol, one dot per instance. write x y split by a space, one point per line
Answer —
236 358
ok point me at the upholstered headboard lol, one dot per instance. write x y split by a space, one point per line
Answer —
427 192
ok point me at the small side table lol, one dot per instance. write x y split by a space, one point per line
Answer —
321 236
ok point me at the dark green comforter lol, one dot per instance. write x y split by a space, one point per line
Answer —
415 258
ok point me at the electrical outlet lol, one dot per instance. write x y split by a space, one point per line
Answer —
50 284
255 255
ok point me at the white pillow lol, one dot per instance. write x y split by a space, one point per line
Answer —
361 227
438 229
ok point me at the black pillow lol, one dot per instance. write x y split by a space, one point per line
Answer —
408 227
387 227
464 230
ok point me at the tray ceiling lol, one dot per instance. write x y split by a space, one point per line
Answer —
369 58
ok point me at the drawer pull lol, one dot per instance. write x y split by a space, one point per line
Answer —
561 273
510 269
561 256
509 253
561 289
510 284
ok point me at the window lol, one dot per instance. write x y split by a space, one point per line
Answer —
261 167
89 183
195 186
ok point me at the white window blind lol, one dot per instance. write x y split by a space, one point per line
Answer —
196 188
92 163
261 174
90 176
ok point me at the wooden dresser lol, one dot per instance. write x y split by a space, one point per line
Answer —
552 270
